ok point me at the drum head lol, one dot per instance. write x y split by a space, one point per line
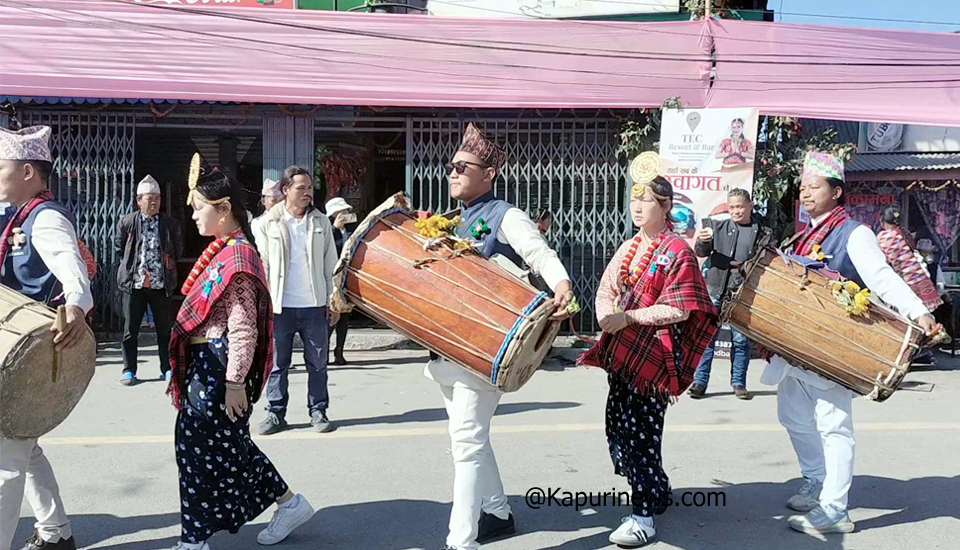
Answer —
31 402
529 347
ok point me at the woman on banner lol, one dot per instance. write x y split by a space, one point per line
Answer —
736 149
221 354
657 320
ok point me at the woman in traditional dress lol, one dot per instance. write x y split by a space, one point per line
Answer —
736 149
221 353
657 320
902 257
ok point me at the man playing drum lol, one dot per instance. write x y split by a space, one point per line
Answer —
480 511
815 411
41 259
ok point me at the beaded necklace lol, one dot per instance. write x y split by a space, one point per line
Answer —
628 277
204 260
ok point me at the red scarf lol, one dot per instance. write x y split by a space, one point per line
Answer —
237 257
18 220
816 235
645 355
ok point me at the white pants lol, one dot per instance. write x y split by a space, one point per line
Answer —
820 424
476 479
24 470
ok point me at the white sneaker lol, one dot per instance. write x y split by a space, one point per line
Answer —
634 532
191 546
807 498
285 520
819 522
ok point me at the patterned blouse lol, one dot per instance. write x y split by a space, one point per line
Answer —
150 264
608 293
235 314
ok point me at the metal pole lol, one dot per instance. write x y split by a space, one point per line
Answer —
706 11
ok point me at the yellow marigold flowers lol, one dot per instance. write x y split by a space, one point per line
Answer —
855 301
437 226
817 253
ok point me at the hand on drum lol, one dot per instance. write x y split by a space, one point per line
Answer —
613 324
929 325
72 332
562 296
236 402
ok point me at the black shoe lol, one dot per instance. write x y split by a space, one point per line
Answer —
696 391
492 527
320 422
448 547
271 424
741 393
339 360
36 543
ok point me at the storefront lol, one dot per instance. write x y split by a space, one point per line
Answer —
565 162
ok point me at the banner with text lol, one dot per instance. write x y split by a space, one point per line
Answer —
705 154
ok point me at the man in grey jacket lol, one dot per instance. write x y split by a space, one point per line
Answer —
148 244
296 244
728 244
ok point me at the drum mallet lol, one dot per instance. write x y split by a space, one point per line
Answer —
60 324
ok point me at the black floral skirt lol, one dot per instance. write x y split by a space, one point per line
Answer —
635 436
225 480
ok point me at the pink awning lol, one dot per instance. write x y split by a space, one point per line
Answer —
89 48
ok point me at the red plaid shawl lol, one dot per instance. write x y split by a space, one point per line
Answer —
816 235
645 355
238 258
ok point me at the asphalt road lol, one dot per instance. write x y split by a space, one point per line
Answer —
383 479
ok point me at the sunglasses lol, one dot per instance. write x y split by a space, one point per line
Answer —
461 166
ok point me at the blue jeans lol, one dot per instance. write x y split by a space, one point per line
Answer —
739 359
311 323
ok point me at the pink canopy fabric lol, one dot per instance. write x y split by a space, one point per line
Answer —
123 50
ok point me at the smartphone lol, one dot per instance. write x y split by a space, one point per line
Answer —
706 223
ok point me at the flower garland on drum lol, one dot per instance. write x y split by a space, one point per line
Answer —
855 301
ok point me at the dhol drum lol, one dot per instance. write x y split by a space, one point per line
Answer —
39 386
790 309
454 302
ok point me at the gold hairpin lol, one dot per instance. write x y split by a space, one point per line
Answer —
644 169
192 178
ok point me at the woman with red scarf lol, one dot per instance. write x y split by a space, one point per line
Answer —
221 351
657 320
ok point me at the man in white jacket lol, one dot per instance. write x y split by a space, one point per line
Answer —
296 243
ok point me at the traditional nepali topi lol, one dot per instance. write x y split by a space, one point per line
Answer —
271 188
148 186
476 143
31 143
822 165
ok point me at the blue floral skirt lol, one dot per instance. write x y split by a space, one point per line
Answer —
225 480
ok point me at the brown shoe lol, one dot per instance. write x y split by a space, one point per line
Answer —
696 391
741 393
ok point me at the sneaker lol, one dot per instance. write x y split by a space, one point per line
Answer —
634 532
320 423
819 522
36 543
128 379
807 498
271 424
285 520
167 376
492 527
191 546
697 391
741 392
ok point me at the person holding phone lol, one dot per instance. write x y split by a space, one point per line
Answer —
341 214
728 244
